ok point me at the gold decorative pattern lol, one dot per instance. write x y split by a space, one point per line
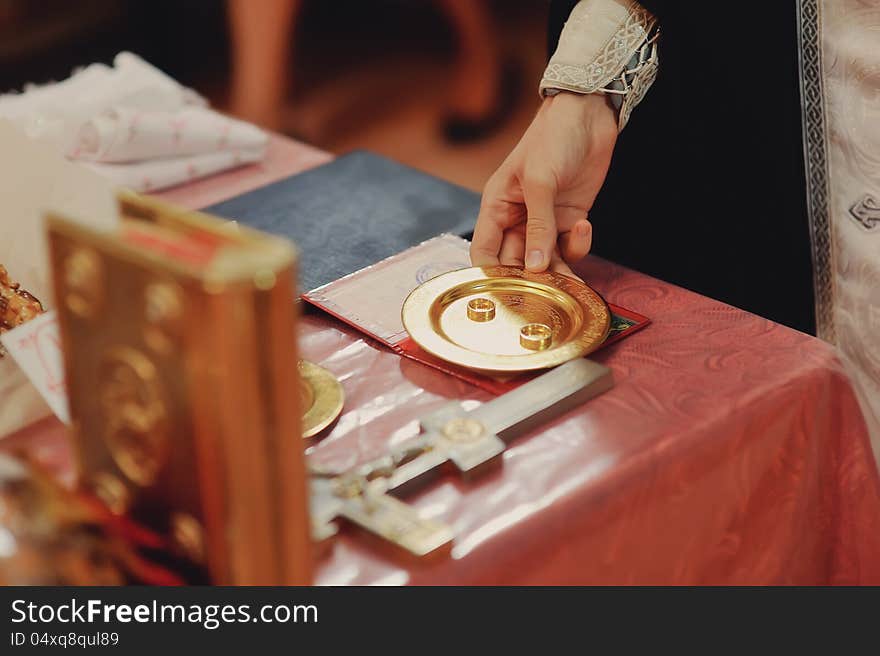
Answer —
188 536
135 416
83 280
163 310
112 491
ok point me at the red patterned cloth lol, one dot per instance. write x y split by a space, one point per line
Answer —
731 451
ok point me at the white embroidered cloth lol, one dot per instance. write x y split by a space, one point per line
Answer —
134 124
841 91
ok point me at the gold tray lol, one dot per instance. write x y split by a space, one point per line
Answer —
506 319
322 398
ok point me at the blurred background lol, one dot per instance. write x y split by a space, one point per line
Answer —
447 86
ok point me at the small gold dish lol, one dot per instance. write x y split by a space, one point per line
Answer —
322 398
535 336
480 309
438 315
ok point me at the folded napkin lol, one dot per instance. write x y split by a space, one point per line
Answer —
134 124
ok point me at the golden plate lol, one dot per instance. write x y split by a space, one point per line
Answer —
539 320
321 396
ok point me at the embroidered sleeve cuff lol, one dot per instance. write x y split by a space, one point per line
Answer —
606 46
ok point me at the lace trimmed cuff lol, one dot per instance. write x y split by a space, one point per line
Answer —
609 47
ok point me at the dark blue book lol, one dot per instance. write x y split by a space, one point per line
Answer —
353 212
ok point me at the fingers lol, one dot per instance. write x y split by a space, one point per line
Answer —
487 238
513 247
558 265
568 215
572 246
490 226
539 194
575 244
498 212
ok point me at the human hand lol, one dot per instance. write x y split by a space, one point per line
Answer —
535 206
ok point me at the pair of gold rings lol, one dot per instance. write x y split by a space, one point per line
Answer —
532 336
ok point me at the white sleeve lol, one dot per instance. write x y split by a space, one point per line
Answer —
609 47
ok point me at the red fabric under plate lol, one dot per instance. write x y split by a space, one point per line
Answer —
731 450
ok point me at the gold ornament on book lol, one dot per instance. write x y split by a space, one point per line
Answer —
179 339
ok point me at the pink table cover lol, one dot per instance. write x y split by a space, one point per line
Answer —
731 451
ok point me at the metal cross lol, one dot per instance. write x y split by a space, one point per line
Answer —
469 441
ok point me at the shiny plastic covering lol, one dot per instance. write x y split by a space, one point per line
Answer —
731 450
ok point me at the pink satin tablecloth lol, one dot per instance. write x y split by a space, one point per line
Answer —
731 450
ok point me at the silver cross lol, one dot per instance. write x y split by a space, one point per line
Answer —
469 441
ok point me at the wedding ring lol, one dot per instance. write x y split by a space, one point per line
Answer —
535 336
480 309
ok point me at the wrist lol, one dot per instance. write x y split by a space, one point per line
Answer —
592 108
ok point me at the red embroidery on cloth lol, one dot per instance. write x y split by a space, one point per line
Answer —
177 126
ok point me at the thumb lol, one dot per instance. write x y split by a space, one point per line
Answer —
575 244
539 196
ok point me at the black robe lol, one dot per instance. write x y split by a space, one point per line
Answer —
707 188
